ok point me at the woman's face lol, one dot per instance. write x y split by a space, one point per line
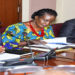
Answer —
45 20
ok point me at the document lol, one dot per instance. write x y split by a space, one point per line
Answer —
53 43
8 56
58 42
38 48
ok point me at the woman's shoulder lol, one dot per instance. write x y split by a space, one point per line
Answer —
27 24
48 27
16 24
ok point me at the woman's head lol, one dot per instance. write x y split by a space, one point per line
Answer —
42 12
44 17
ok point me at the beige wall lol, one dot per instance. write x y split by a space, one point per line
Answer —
65 9
25 10
29 6
35 5
59 10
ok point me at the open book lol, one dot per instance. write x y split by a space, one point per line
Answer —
59 42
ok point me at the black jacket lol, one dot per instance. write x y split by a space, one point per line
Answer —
68 29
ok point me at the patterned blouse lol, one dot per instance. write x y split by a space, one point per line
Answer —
12 41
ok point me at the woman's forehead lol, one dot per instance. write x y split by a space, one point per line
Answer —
47 16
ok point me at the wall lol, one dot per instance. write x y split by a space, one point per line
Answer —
65 9
29 6
25 10
59 11
35 5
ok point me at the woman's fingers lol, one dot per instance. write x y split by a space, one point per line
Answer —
22 43
38 42
2 49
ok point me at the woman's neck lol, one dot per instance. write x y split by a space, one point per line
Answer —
35 29
35 26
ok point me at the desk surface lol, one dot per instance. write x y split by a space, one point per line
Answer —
67 58
56 61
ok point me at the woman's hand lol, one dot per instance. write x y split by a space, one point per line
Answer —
24 43
2 49
37 42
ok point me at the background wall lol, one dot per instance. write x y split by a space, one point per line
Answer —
65 9
35 5
25 10
29 6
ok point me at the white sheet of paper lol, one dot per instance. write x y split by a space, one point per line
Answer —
38 48
55 45
8 56
57 40
54 40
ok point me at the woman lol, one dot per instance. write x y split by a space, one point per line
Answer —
38 28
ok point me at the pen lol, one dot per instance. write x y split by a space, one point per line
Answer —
59 43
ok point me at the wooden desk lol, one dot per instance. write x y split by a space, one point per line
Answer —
55 61
66 59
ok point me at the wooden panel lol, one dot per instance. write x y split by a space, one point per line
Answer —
9 12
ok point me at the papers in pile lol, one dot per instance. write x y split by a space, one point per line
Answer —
59 42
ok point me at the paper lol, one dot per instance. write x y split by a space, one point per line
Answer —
8 56
56 40
38 47
53 43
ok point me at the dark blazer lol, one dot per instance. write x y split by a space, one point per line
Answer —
68 29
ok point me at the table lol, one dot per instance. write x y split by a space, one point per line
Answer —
64 58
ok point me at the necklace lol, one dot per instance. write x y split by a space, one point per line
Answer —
33 30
